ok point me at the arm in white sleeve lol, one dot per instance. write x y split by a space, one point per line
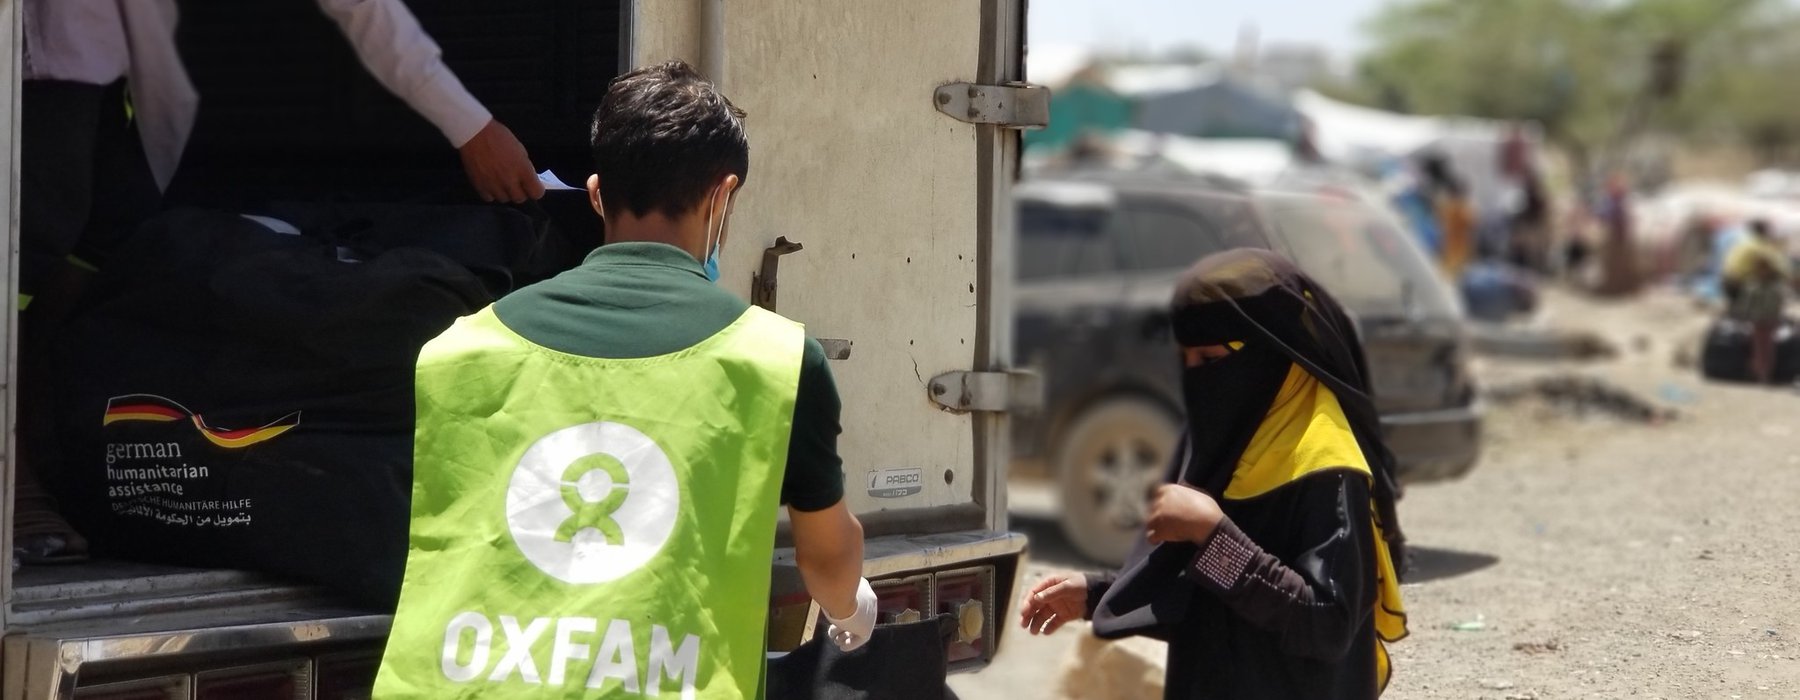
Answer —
404 59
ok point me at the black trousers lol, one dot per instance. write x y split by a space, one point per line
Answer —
84 186
84 181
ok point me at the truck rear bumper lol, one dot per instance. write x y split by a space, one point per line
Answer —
173 650
120 622
1435 445
925 562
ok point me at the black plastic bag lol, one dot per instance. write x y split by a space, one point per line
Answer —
1726 355
900 662
236 397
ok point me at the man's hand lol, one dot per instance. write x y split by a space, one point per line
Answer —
1055 600
828 550
853 631
499 167
1180 513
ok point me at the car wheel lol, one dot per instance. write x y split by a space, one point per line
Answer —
1113 456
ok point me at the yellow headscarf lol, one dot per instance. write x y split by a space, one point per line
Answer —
1304 432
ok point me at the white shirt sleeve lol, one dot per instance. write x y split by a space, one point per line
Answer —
404 59
81 41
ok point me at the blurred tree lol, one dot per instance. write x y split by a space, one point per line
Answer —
1586 70
1540 60
1741 83
1735 56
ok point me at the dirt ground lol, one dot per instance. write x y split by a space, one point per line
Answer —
1589 555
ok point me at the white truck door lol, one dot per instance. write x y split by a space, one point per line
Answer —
866 149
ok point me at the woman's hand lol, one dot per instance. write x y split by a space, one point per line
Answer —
1055 600
1181 513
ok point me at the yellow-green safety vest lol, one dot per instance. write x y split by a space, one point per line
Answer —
593 528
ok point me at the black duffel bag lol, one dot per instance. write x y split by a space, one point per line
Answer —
237 397
1726 355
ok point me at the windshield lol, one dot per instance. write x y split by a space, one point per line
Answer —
1360 254
1062 242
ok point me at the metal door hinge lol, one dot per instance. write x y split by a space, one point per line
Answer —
997 392
1012 106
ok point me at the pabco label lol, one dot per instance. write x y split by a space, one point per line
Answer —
896 483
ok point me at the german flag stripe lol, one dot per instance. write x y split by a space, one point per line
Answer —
248 436
146 403
145 408
142 411
118 416
238 439
157 409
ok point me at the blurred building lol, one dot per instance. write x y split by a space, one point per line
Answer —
1199 100
1290 67
1205 101
1081 100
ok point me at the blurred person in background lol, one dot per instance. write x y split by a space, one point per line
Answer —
1529 220
1449 198
1306 142
1755 277
106 112
1618 251
1742 255
1760 300
1268 562
1408 196
1576 249
1694 259
1088 150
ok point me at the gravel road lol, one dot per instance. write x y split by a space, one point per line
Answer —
1589 555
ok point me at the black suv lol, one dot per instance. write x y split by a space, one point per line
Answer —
1098 256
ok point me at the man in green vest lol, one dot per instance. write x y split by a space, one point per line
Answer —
600 457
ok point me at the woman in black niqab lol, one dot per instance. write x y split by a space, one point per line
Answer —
1268 558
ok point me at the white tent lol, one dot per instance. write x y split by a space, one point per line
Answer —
1255 161
1053 65
1157 79
1365 138
1348 133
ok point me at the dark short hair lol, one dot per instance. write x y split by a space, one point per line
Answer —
662 137
1760 227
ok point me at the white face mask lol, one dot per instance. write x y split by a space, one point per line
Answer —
711 265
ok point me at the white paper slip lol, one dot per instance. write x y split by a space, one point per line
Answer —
273 224
552 183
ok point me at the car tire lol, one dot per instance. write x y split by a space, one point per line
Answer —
1114 455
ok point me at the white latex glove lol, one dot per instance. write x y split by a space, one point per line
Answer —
851 633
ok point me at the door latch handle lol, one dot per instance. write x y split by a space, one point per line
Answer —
762 284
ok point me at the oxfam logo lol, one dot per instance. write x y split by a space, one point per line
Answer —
593 502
